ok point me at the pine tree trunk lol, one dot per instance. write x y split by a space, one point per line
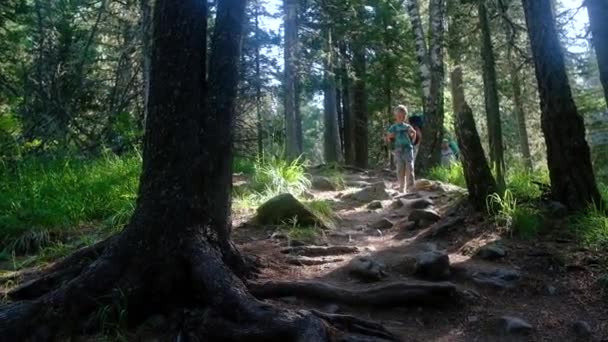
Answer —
431 70
568 157
293 145
360 105
598 20
258 86
331 147
146 31
347 112
514 74
492 104
480 182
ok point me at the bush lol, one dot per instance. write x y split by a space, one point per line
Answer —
42 199
523 183
523 221
453 175
273 176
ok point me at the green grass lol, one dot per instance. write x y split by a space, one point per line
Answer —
522 183
453 175
243 165
43 200
591 225
521 220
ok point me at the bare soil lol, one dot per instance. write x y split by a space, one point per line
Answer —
558 286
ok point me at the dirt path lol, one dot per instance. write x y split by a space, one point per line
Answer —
550 285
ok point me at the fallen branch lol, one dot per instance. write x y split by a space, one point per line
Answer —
390 295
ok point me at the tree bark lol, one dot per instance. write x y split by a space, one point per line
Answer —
492 104
514 74
480 182
258 86
431 70
293 126
598 20
146 32
360 106
347 113
331 135
568 157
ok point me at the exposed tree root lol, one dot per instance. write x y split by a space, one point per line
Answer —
193 274
390 295
58 273
316 251
306 261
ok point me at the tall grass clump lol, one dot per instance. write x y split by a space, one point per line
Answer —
520 220
453 174
524 184
273 176
45 198
591 225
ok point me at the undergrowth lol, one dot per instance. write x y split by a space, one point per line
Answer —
453 174
521 220
46 199
591 225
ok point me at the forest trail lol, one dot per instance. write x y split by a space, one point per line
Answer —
504 289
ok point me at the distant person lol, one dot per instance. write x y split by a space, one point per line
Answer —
447 155
416 123
401 134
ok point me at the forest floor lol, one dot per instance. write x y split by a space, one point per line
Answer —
549 282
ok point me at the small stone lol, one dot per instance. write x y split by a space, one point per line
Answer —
322 183
339 195
278 236
491 252
422 203
405 225
551 290
582 330
499 278
367 269
376 191
290 300
381 224
433 265
308 195
472 319
514 325
297 243
396 204
374 205
424 215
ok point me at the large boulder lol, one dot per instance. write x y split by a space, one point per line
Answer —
424 216
500 278
285 207
367 269
376 191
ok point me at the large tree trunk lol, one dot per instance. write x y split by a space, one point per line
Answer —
360 94
146 32
569 161
347 113
360 105
175 258
431 69
480 182
331 134
598 20
293 127
514 74
492 105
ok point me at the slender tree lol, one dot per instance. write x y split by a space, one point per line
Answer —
568 157
492 105
359 107
331 144
516 86
479 179
431 70
293 124
347 112
598 20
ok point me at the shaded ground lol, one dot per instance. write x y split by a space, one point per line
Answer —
557 285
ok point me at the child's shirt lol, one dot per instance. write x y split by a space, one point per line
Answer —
402 137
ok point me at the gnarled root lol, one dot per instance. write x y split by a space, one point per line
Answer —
190 275
394 294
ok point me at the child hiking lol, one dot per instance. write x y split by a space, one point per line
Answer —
401 135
